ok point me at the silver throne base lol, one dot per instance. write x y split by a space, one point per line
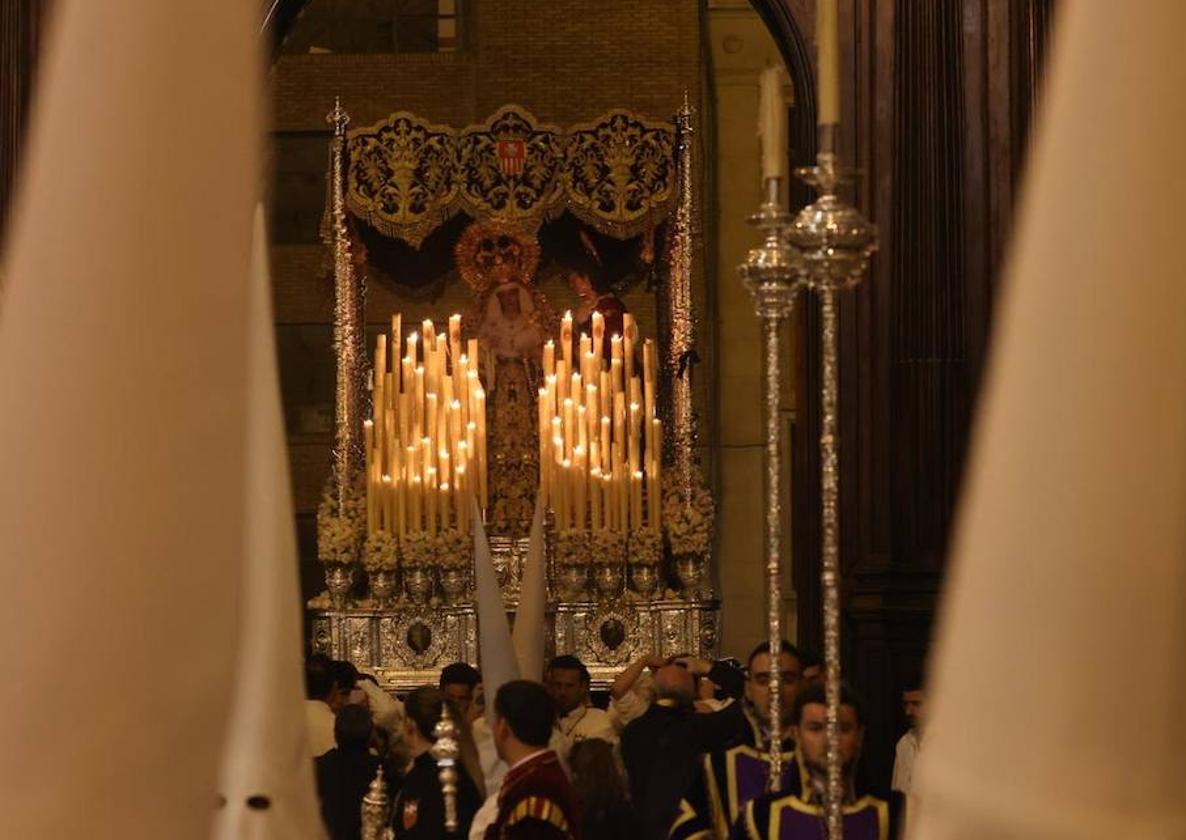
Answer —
406 647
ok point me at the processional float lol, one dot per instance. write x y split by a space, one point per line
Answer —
597 422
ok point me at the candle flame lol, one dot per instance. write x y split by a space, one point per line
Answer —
368 423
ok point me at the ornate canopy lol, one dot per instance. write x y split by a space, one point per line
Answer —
406 176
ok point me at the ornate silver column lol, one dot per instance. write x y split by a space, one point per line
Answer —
835 242
349 335
445 750
771 273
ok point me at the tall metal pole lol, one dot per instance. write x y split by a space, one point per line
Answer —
771 273
835 242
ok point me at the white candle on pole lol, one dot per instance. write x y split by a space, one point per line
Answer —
827 43
772 123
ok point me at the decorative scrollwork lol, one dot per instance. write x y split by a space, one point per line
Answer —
407 176
508 168
403 179
619 174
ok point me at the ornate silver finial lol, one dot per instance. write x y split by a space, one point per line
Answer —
338 117
683 115
445 750
376 810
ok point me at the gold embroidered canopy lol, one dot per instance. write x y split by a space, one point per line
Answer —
406 176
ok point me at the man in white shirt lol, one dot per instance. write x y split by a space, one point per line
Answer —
322 699
567 680
913 703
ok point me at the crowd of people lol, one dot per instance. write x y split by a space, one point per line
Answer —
680 751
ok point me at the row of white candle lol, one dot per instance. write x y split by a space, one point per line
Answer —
600 443
426 439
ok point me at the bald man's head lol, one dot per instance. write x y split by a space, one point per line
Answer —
673 682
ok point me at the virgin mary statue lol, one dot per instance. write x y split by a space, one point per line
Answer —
512 319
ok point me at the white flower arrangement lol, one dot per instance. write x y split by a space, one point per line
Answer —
646 546
379 552
689 523
418 549
572 547
607 546
454 549
339 532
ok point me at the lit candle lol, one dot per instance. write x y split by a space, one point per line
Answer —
629 337
445 496
417 493
430 424
401 506
388 505
549 357
606 445
397 326
544 427
566 336
414 486
772 123
480 439
569 441
368 433
455 335
444 466
418 404
636 500
454 423
411 354
578 483
431 494
592 414
632 436
567 508
461 491
595 491
598 336
586 350
562 381
656 472
377 397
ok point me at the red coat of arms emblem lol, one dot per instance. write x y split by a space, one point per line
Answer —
512 154
411 813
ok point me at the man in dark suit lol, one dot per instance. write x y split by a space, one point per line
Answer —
661 749
345 772
536 800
